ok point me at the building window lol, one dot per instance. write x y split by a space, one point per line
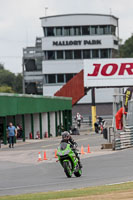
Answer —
59 54
45 55
51 55
77 54
113 30
86 54
94 30
95 53
115 42
59 31
45 78
85 30
57 78
103 30
104 53
50 31
114 53
69 77
77 30
60 78
69 54
45 31
68 31
51 78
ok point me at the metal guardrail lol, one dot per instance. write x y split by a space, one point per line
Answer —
124 139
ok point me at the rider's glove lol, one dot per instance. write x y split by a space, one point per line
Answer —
75 144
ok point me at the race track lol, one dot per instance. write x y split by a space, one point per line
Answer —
18 177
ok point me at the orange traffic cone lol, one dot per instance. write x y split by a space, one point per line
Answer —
39 156
88 149
56 154
82 150
45 158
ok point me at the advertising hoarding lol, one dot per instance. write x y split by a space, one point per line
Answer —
112 72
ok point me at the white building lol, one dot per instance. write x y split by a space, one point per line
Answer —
68 39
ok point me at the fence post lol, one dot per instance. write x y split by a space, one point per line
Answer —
5 134
23 129
40 122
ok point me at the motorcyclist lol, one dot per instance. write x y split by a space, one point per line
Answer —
66 137
99 124
78 118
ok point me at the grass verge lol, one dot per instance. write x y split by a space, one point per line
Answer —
85 192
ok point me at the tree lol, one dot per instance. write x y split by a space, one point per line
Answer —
9 82
1 66
126 50
6 89
18 83
7 78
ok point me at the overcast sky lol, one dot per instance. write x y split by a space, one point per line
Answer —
20 23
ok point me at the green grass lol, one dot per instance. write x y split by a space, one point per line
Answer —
73 193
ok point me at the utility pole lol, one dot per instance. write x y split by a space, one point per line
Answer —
93 107
23 81
46 8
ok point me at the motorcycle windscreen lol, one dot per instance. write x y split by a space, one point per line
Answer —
63 146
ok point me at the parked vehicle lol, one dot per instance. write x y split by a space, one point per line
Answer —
68 160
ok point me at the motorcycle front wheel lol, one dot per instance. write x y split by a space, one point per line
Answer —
67 169
78 173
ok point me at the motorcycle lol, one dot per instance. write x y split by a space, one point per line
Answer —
78 123
68 160
99 127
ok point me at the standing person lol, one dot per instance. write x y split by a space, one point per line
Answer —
19 131
12 132
119 118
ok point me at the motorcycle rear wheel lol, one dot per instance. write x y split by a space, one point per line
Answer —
67 169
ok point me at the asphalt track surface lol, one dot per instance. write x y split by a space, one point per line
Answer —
19 177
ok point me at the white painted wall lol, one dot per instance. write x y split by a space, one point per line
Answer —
52 124
33 78
58 122
44 123
27 125
50 90
62 117
64 66
102 94
36 124
107 41
78 19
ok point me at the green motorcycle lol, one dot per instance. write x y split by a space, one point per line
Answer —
68 160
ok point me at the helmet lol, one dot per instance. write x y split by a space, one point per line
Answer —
65 135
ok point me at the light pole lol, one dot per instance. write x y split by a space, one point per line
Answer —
23 81
46 8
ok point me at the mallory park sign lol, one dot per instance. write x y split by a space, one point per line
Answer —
108 72
76 42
